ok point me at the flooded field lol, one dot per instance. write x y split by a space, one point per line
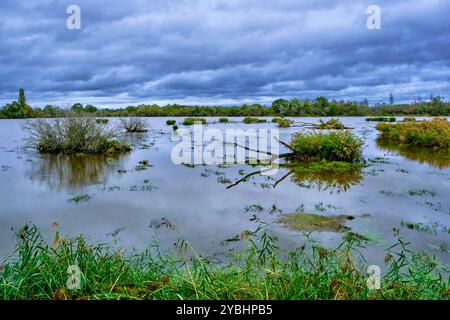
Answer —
142 196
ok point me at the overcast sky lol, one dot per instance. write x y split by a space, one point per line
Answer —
222 52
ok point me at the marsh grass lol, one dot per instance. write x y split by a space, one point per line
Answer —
258 271
282 123
224 120
249 120
192 121
73 135
382 119
134 125
332 124
423 134
171 122
333 146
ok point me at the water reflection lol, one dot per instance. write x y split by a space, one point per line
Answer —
434 158
72 172
333 180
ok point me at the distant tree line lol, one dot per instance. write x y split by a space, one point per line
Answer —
320 107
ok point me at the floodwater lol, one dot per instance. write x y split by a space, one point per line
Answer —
136 204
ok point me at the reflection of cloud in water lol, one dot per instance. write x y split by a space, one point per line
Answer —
72 172
325 179
429 156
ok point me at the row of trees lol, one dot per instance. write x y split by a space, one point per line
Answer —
319 107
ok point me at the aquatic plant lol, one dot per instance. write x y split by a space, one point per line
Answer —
258 271
74 135
224 120
425 134
175 128
332 124
171 122
134 125
192 121
282 123
301 221
102 121
333 146
249 120
382 119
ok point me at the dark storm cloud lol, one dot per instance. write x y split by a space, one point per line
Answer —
222 52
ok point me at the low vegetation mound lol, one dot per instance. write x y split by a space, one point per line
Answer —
427 134
192 121
249 120
74 135
332 124
282 122
171 122
224 120
136 125
382 119
333 146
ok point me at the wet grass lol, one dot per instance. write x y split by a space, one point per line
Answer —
258 271
382 119
80 198
333 146
423 134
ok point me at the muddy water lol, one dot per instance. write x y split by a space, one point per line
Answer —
164 201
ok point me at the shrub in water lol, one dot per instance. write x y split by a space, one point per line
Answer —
73 135
224 120
434 133
333 146
171 122
134 124
253 120
192 121
331 124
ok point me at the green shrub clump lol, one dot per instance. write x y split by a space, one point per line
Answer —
192 121
102 121
224 120
74 135
382 119
171 122
333 146
249 120
427 134
331 124
282 123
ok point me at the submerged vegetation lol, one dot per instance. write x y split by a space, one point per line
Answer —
301 221
258 271
425 134
333 146
74 135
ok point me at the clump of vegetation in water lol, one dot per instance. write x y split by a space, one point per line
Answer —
282 123
192 121
171 122
426 134
102 121
80 198
261 271
74 135
175 128
409 119
134 125
224 120
382 119
314 222
332 124
249 120
333 146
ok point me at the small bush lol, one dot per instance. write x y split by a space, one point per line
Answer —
171 122
249 120
333 146
134 124
175 128
282 123
409 120
332 124
382 119
434 133
192 121
74 135
102 121
224 120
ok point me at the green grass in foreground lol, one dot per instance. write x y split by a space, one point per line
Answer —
260 271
